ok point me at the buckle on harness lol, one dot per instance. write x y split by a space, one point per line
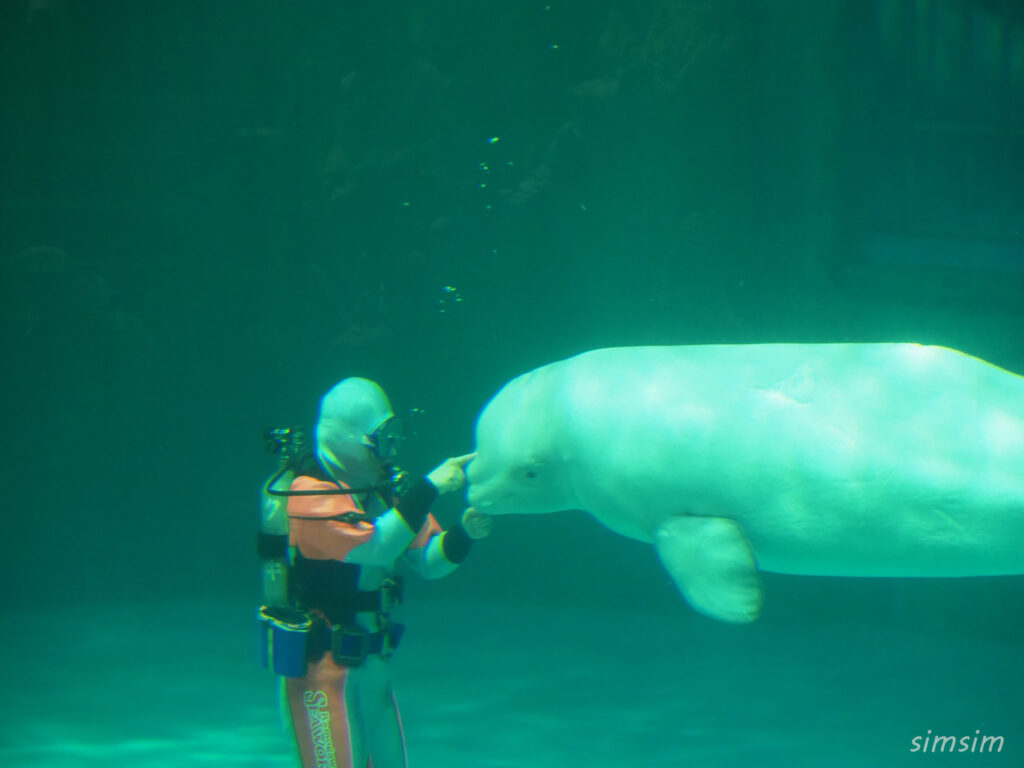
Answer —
350 647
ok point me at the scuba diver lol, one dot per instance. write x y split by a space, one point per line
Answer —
330 544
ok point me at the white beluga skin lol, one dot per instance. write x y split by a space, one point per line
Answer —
813 459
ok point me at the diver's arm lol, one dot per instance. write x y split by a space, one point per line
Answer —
389 539
440 554
395 530
413 509
444 551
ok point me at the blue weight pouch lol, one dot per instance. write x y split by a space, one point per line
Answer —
284 636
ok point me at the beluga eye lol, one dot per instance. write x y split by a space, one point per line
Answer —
531 474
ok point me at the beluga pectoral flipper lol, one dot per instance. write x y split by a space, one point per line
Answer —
713 566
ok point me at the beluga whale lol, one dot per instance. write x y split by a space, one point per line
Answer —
885 459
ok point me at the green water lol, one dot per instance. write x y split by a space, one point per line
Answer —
212 211
486 684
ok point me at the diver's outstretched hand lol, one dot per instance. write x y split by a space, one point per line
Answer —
451 475
476 524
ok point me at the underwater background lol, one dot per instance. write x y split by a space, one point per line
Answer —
211 211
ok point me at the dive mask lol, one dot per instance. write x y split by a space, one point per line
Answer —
385 439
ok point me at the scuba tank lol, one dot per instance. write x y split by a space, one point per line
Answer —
287 444
284 630
284 627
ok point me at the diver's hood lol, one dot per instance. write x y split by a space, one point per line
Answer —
351 411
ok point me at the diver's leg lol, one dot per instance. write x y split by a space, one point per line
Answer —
387 740
323 716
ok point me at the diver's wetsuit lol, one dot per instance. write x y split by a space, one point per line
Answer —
343 711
